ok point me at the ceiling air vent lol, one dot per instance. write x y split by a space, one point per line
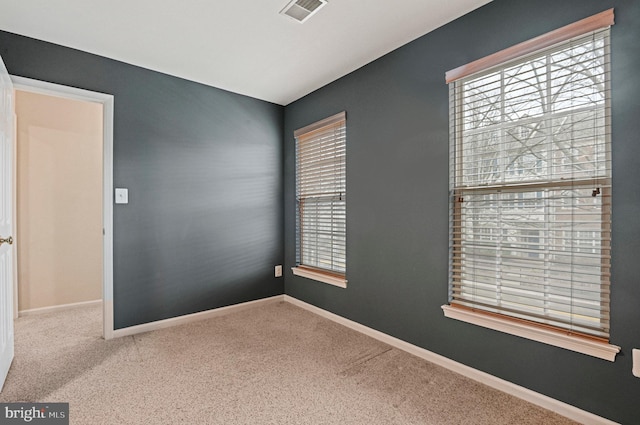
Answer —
301 10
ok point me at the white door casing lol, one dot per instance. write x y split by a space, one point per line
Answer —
107 100
6 222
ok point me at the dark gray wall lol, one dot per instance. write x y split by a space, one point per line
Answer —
203 227
397 212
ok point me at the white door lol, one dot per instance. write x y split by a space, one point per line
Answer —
6 222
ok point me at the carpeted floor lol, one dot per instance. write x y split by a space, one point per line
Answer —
275 364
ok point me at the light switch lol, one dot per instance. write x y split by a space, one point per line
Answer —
122 196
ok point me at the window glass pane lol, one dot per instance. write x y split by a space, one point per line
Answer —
525 90
482 98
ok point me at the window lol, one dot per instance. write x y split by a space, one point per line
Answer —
530 186
321 200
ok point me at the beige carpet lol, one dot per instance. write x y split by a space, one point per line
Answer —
275 364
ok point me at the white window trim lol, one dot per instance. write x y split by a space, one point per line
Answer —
331 277
558 338
586 346
320 276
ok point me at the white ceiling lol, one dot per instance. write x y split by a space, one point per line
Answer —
245 47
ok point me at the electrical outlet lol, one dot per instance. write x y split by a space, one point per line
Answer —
278 270
635 354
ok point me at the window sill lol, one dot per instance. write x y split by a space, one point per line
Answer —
321 276
556 338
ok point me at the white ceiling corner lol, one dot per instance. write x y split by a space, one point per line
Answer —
246 47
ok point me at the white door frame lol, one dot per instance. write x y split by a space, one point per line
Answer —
42 87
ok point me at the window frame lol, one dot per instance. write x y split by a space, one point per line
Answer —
326 275
594 346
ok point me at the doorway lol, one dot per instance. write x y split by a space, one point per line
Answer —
64 198
59 202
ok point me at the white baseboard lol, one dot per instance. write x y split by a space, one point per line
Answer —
54 308
533 397
181 320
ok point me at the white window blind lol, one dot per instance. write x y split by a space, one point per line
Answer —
530 187
321 195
